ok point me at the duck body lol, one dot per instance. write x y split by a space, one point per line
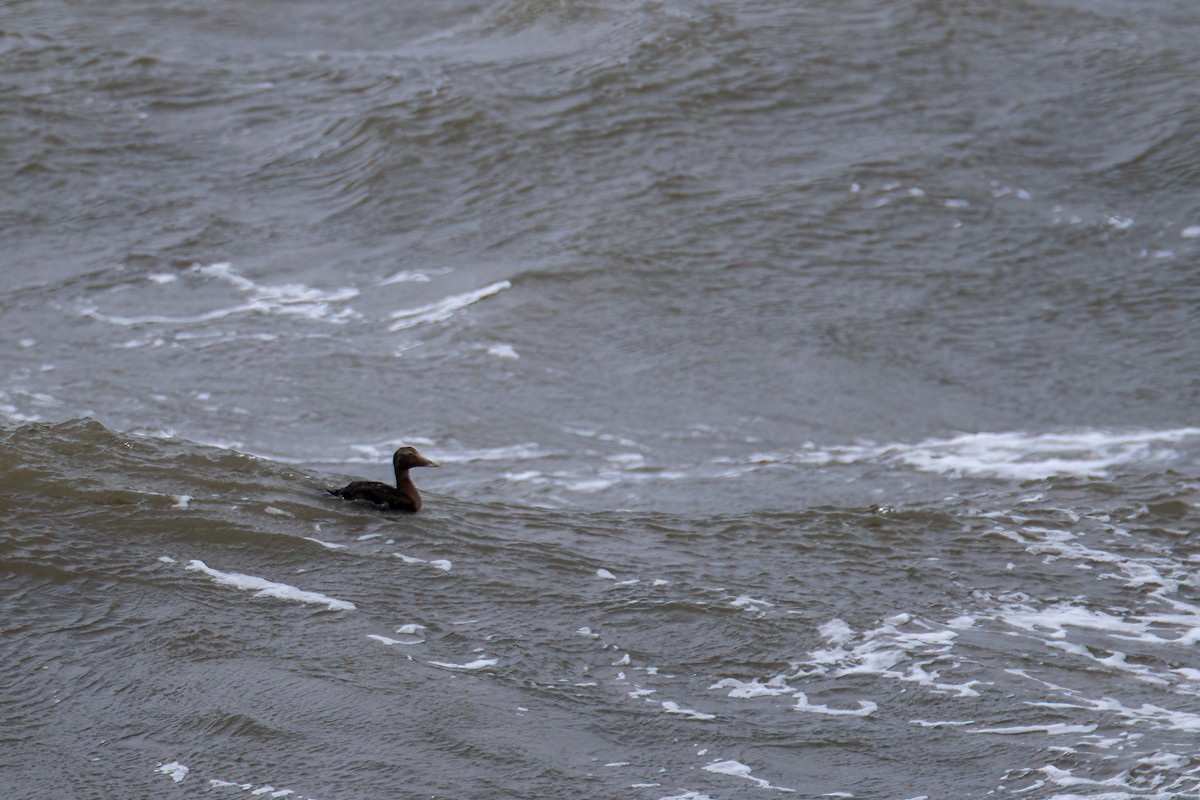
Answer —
381 494
401 497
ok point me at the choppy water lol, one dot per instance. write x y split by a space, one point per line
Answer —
815 387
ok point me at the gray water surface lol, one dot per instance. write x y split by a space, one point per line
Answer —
815 387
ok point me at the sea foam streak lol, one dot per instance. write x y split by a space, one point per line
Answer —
443 309
1012 455
264 588
737 769
293 299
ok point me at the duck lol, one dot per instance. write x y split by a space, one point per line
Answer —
401 497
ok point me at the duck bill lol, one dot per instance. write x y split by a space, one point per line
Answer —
425 462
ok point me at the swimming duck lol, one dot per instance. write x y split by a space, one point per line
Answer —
401 497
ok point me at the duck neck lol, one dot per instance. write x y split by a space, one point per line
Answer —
405 486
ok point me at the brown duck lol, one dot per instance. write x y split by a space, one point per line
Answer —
401 497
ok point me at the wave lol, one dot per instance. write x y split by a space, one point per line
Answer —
294 299
1010 455
443 309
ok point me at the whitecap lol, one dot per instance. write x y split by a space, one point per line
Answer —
284 299
1011 455
443 309
264 588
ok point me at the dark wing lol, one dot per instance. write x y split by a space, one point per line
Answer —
381 494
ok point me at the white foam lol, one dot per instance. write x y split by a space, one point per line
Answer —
885 650
503 351
671 707
266 790
747 689
836 631
176 770
605 574
413 276
1150 774
514 452
737 769
865 707
1148 714
264 588
1055 620
167 560
286 299
1055 624
181 500
292 299
750 603
329 545
1013 455
153 319
443 309
589 485
1055 729
443 564
383 639
522 477
412 633
478 663
376 453
1191 232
